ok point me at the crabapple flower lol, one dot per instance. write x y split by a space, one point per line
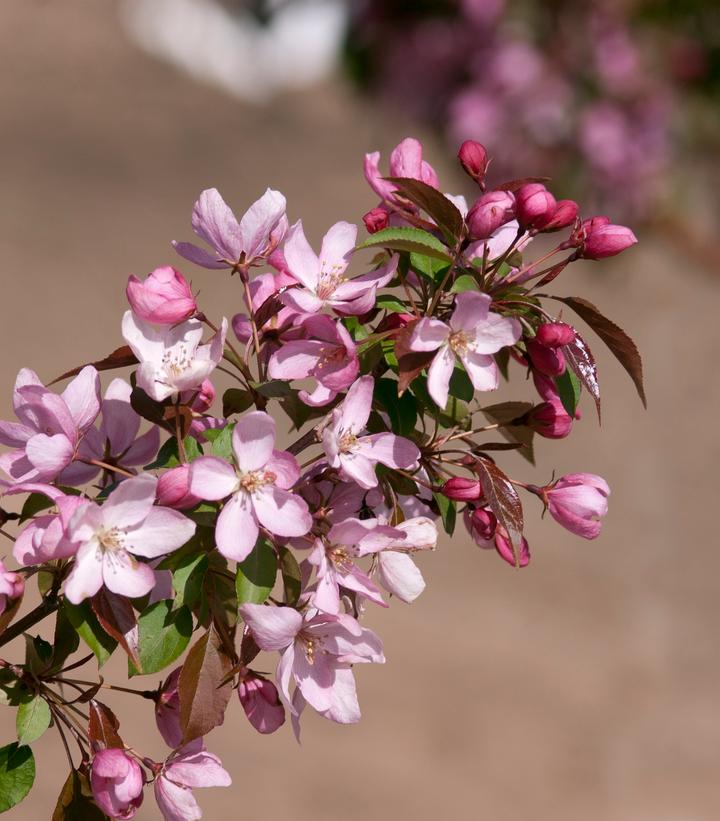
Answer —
405 161
535 206
164 298
355 455
117 783
235 245
323 277
12 587
173 489
317 651
259 488
167 710
492 210
50 427
473 334
328 354
172 359
186 769
260 700
578 501
376 219
111 536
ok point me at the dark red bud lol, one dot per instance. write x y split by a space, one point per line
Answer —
376 220
461 489
550 361
566 212
555 334
474 160
534 205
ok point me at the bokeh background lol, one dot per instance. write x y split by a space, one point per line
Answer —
585 686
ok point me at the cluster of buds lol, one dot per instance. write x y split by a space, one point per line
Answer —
148 515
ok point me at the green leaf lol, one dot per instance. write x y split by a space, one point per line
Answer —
65 640
428 266
32 719
402 410
188 576
164 634
390 303
255 577
17 774
414 240
222 443
169 457
448 512
274 389
38 654
12 691
569 388
88 628
37 502
75 802
464 283
236 400
460 385
291 576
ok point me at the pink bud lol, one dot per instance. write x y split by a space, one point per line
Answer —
117 783
395 320
12 586
376 219
259 698
555 334
549 361
504 548
474 159
565 214
164 298
462 489
204 397
578 501
490 212
534 205
605 240
173 489
550 420
481 524
167 710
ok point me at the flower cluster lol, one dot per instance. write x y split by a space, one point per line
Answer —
148 513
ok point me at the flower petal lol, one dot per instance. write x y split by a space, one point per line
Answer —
428 335
482 370
439 373
86 576
82 397
355 408
130 502
337 246
399 575
301 260
273 628
259 221
163 531
253 440
471 308
281 512
236 530
212 478
393 451
213 221
125 575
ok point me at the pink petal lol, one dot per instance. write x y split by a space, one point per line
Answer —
253 440
355 409
198 256
428 335
273 628
176 803
259 221
212 478
236 530
359 469
281 512
344 707
285 467
82 396
400 576
337 246
86 576
296 359
213 221
375 179
439 373
393 451
471 308
482 370
301 260
143 449
495 333
319 397
315 680
120 423
130 502
301 300
14 434
49 454
196 767
406 159
163 531
125 575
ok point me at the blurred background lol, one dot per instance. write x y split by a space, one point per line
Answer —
585 686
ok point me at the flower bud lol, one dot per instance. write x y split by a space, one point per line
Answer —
117 783
605 239
550 420
549 361
204 397
481 524
490 212
461 489
167 710
164 298
173 489
565 214
555 334
12 587
578 501
474 160
259 698
504 548
376 219
534 205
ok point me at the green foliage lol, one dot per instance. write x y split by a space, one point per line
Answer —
32 719
17 774
88 628
255 576
164 634
414 240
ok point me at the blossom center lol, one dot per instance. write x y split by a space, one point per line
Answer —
340 559
330 279
177 360
256 479
111 540
330 355
348 442
459 341
311 646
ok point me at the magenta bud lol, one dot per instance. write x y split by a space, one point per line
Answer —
376 220
204 397
117 783
549 361
482 524
173 489
490 212
12 586
164 298
259 698
578 501
461 489
534 205
504 548
605 239
474 160
167 710
566 212
555 334
550 420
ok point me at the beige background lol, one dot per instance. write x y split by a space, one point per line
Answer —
585 687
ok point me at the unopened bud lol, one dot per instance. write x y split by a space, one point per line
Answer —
534 205
461 489
566 212
474 160
490 211
376 220
555 334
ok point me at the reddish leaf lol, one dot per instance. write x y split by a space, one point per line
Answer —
272 306
147 407
103 726
621 345
178 418
203 696
445 214
410 363
555 271
118 619
509 415
504 502
582 363
75 802
120 358
513 185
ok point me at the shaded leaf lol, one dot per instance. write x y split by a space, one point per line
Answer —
444 213
402 410
270 307
32 719
236 400
117 617
65 640
90 631
407 239
429 267
255 576
580 359
290 571
503 501
103 726
391 303
17 774
274 389
75 802
463 283
569 389
169 455
164 634
120 358
448 512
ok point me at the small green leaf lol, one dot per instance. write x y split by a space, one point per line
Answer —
12 691
88 628
75 802
390 303
164 634
222 443
168 455
464 283
292 580
448 512
401 410
255 577
274 389
407 239
17 774
428 266
188 577
569 389
32 719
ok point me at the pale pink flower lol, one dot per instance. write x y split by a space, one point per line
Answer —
234 243
258 487
327 354
317 651
164 297
323 277
12 587
473 334
172 359
50 427
187 769
405 161
259 699
117 783
578 501
111 536
355 455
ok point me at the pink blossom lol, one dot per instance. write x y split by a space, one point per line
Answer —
548 360
555 334
172 359
490 211
50 427
578 501
317 654
509 235
328 355
12 587
111 536
534 205
565 213
355 455
405 161
173 489
481 524
187 769
323 277
164 298
117 783
259 488
259 699
550 420
472 336
167 710
242 244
